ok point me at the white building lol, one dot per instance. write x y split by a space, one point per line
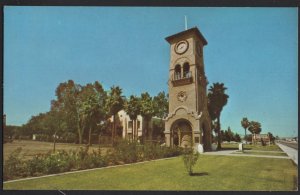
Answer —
123 121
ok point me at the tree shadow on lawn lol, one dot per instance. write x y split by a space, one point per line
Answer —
199 174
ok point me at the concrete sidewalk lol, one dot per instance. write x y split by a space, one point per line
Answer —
230 153
291 152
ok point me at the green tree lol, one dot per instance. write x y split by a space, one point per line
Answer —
133 108
230 134
254 127
147 112
272 138
115 103
10 131
35 125
226 136
189 159
245 124
161 109
161 104
69 103
217 99
237 137
55 124
92 106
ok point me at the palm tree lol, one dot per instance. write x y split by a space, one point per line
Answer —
132 108
217 99
254 128
93 102
245 125
161 104
147 112
114 104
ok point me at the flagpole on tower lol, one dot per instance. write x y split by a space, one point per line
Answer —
185 22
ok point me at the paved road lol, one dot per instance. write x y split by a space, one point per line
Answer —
291 152
289 144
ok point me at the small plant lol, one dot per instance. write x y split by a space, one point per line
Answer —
189 158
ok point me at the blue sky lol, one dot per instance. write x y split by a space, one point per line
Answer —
253 51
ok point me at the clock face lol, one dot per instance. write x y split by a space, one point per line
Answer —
181 47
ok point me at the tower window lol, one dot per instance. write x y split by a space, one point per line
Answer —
186 70
177 74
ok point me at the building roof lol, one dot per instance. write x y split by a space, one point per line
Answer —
191 30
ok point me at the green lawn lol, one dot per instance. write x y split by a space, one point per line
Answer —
263 148
259 152
212 173
232 146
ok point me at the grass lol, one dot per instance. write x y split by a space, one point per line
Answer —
259 152
234 146
263 148
31 148
211 173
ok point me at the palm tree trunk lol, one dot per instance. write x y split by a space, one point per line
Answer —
79 132
144 132
125 129
90 132
245 136
54 142
113 131
150 130
132 131
219 134
136 130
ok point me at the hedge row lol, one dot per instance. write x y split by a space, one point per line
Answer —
63 161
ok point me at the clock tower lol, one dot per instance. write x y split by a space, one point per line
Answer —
188 122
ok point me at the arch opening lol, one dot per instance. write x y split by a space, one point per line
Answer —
181 133
186 70
177 74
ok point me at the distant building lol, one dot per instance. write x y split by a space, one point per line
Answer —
124 124
261 138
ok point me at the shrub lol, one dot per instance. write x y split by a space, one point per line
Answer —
14 166
96 159
69 137
126 152
171 152
56 162
61 161
36 165
153 151
189 158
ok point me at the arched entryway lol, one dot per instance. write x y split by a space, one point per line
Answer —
181 133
